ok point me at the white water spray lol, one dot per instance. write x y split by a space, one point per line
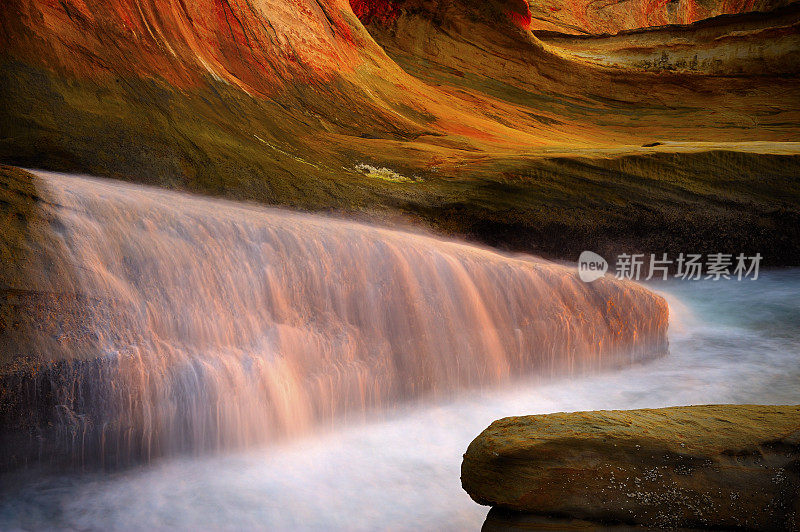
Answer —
224 325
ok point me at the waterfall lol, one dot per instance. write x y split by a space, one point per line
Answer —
218 324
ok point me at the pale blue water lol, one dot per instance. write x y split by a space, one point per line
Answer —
731 342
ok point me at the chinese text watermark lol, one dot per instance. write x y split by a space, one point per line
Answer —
688 266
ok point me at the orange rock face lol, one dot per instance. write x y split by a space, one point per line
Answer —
268 48
255 45
302 87
571 16
382 11
586 16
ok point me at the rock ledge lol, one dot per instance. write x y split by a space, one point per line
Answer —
720 466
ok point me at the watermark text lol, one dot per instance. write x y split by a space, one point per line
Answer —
685 266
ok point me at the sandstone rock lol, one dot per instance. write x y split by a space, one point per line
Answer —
44 314
500 520
724 466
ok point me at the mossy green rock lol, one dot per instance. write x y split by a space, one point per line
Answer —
721 466
43 312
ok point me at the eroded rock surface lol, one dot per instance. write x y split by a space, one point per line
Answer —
725 466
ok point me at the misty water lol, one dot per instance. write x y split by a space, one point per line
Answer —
731 342
208 325
396 467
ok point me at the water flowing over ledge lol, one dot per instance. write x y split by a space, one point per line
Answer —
215 325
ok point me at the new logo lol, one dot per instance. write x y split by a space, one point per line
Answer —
591 266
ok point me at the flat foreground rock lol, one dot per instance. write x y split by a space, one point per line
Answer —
722 466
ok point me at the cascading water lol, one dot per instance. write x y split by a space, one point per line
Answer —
221 325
